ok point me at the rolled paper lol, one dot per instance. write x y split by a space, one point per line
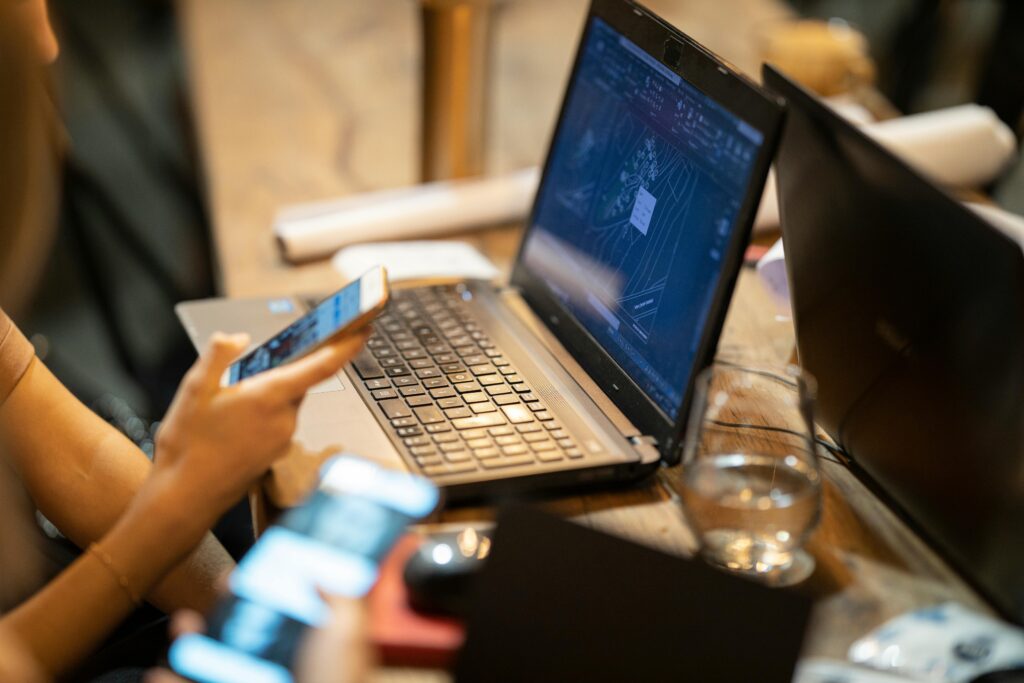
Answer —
1010 224
440 208
960 147
965 146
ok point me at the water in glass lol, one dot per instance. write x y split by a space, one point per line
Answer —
751 487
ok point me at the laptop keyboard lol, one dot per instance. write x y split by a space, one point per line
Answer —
449 394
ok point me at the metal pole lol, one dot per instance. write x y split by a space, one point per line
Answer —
456 73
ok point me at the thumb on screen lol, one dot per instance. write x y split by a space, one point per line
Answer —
221 351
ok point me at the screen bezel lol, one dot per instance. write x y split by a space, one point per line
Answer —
734 92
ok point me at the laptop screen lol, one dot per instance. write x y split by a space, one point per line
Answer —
640 198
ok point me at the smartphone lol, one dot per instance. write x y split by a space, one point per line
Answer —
344 312
334 542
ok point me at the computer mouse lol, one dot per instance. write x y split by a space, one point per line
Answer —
440 574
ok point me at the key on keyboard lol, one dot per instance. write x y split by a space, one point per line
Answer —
445 389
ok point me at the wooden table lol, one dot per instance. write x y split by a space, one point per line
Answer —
298 100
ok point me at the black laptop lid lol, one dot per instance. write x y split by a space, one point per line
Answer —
909 310
648 194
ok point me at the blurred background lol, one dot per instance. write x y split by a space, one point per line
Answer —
133 234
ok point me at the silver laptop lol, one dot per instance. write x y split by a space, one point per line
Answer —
580 370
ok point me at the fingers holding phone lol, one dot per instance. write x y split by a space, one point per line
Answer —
339 652
217 440
345 312
293 380
294 601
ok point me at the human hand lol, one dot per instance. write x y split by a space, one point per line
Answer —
295 474
182 622
216 441
338 652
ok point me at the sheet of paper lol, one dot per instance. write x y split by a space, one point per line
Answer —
416 261
771 269
946 642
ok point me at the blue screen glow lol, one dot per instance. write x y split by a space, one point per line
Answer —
639 202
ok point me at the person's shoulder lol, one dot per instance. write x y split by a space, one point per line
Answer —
16 354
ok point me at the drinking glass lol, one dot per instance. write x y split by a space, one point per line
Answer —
751 485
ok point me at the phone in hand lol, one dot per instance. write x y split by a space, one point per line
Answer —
333 543
346 311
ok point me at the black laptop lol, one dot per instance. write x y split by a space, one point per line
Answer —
580 370
909 310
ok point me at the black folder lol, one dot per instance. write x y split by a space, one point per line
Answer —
560 602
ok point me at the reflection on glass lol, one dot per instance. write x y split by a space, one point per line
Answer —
473 544
751 487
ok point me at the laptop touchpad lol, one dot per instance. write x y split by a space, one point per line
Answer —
333 383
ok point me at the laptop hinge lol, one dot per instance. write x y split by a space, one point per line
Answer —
647 447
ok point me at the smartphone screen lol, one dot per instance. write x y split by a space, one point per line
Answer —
334 543
329 317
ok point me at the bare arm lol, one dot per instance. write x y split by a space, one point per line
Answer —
82 474
213 445
66 620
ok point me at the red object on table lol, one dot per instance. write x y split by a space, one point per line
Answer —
755 252
402 636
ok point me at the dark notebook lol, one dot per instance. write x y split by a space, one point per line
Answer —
559 602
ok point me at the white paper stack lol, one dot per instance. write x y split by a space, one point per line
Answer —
315 230
416 261
771 269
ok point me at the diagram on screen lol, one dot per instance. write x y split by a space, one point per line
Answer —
633 194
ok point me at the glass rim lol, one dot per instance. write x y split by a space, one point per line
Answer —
790 378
